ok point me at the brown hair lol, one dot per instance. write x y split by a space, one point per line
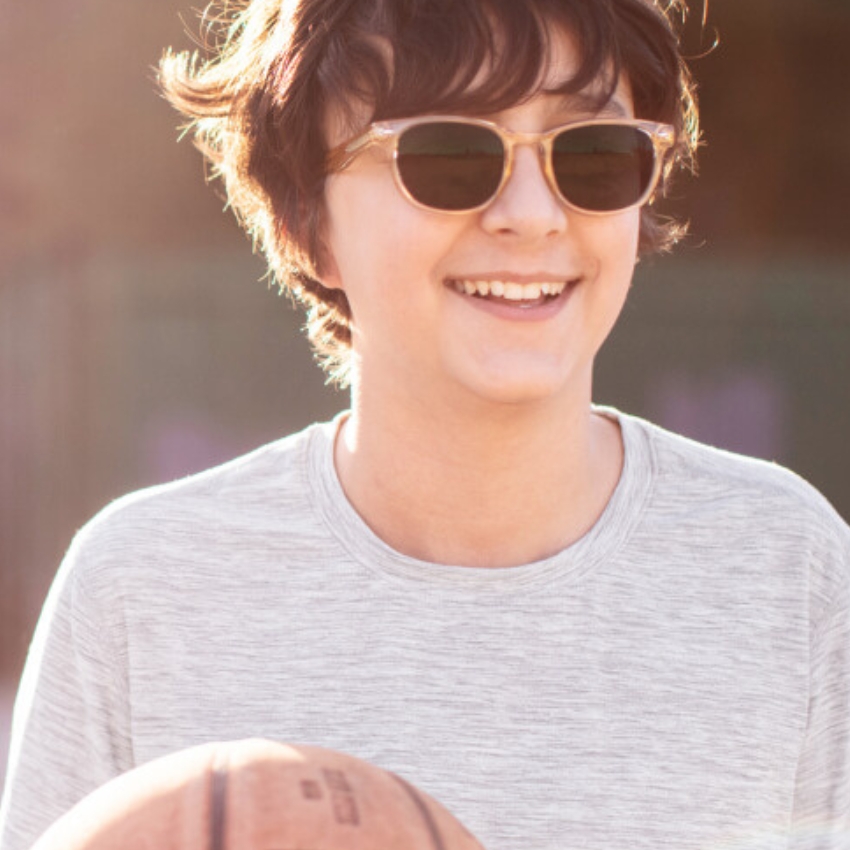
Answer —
258 105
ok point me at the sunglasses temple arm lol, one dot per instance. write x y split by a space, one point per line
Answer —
343 155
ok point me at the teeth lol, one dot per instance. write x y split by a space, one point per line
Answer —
509 290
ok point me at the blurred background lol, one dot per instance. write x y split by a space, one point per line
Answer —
139 342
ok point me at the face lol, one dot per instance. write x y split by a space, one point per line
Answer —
428 319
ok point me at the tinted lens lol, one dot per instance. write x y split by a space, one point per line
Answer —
450 166
603 168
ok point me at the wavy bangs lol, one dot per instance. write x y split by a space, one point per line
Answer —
447 56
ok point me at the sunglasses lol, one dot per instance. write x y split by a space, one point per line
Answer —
459 165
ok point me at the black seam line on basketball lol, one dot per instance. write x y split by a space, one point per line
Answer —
217 809
436 838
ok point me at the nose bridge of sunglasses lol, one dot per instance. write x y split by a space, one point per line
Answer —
525 151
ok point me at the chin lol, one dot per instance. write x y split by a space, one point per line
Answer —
523 386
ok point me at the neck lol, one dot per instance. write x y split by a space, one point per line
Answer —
496 488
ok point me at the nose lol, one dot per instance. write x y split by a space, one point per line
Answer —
527 207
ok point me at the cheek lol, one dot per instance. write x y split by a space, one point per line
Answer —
339 239
617 245
375 238
375 250
624 235
365 223
613 243
610 245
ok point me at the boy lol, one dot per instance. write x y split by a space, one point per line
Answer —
569 626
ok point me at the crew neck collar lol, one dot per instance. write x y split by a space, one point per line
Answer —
604 538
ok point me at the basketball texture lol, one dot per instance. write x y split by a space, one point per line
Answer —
257 795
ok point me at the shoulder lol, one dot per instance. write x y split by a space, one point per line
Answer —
185 527
755 505
695 472
274 466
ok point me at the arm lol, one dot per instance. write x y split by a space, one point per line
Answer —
70 730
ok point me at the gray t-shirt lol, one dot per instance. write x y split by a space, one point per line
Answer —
678 679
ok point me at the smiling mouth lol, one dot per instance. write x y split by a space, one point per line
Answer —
523 295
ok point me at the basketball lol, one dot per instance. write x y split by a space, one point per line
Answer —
257 795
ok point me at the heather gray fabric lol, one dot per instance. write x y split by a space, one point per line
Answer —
676 680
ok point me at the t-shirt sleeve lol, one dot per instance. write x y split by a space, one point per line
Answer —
822 794
70 729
